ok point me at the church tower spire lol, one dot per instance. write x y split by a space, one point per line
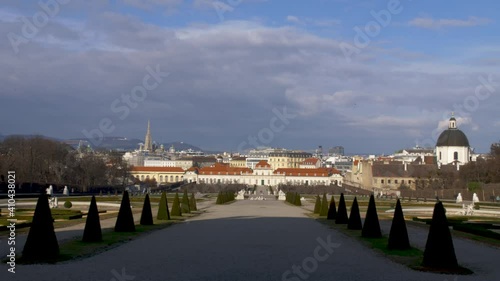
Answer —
148 143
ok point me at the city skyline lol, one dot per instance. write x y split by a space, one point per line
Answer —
215 75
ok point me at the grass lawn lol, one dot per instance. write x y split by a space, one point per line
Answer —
411 258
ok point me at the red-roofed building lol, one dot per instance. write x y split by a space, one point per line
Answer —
310 163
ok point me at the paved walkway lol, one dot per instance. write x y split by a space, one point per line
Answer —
252 240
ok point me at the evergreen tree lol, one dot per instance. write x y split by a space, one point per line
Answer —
41 244
317 206
297 200
324 206
92 231
185 203
341 217
398 236
147 215
332 211
125 220
176 206
354 218
439 251
163 212
192 203
371 228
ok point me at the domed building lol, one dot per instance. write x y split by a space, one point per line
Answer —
453 146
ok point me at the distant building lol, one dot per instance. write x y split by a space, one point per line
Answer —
310 163
159 174
287 159
453 146
337 150
263 174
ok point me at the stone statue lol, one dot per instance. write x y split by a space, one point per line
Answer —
459 198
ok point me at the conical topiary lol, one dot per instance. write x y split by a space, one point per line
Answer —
297 200
219 198
341 217
147 215
41 244
324 206
332 210
371 228
163 212
125 220
354 218
398 236
176 207
192 203
92 231
317 206
185 203
439 251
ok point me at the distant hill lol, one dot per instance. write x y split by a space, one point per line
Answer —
121 143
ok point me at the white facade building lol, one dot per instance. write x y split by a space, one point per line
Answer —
453 146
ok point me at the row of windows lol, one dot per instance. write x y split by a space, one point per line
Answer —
455 156
166 178
383 181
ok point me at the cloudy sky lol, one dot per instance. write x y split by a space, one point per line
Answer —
373 76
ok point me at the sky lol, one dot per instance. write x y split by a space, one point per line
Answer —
230 75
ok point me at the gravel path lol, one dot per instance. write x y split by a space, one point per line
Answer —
251 240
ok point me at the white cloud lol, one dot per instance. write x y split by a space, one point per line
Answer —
313 22
431 23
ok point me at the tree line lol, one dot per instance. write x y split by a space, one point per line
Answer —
42 161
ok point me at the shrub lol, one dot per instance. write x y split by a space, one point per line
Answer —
176 207
297 200
317 206
163 212
146 215
68 204
185 203
439 250
332 211
125 220
324 206
341 217
398 236
92 231
41 244
354 218
371 228
192 203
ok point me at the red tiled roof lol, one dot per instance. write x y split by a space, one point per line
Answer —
319 172
223 169
263 164
158 169
310 161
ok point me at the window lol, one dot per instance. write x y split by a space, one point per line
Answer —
402 181
455 155
440 155
395 181
389 181
381 181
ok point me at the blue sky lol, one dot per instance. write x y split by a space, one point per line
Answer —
229 74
